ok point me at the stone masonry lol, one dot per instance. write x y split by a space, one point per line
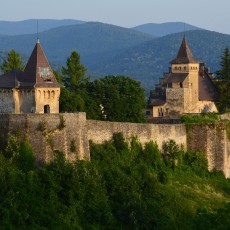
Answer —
71 132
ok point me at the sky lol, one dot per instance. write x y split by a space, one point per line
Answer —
208 14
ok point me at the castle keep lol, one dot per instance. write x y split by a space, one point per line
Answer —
186 89
34 90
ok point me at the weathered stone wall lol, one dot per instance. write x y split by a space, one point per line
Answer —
100 131
49 132
212 140
71 132
6 101
25 100
175 101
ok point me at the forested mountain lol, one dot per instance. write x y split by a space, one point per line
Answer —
30 26
162 29
148 61
93 41
111 50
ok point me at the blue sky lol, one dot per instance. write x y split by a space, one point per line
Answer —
209 14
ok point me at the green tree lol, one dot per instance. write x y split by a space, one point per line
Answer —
13 61
74 72
224 72
71 101
118 98
223 83
24 159
57 76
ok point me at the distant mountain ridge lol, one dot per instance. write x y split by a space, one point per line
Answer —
30 26
148 61
162 29
94 41
112 50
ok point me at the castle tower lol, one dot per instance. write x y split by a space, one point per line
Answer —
184 79
34 90
40 74
186 89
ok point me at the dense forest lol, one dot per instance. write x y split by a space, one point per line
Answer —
124 186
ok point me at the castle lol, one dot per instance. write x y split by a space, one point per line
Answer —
186 89
29 107
34 90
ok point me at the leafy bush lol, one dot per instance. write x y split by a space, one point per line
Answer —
202 118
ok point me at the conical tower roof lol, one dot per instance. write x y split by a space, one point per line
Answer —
38 71
184 55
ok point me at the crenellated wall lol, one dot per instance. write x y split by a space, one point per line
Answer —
71 132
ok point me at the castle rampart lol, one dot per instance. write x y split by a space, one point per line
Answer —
71 132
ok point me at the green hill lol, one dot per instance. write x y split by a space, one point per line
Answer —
94 42
123 186
162 29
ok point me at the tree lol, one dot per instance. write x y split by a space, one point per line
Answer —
13 61
71 101
75 71
224 72
118 98
223 83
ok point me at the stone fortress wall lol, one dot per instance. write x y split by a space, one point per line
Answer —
71 132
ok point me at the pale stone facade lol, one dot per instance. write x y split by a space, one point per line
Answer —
186 89
34 90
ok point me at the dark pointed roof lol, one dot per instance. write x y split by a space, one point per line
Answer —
10 80
37 73
38 70
184 55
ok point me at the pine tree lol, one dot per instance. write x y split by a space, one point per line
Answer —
223 83
75 71
13 61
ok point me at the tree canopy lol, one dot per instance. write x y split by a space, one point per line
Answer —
112 98
223 81
119 98
13 61
123 186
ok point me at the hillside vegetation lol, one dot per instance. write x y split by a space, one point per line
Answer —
121 187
